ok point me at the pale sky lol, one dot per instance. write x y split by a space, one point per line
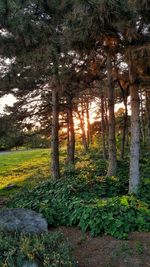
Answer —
6 100
10 100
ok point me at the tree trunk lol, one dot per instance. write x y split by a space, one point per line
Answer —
124 132
71 133
148 114
142 118
103 127
55 138
89 137
112 163
84 141
134 178
106 123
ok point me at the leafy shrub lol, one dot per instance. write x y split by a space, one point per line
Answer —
74 202
145 177
49 250
144 190
85 197
115 216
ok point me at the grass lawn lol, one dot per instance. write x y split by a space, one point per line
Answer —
23 168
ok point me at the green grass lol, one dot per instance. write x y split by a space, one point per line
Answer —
24 169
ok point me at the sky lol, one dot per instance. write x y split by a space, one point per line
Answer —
6 100
10 100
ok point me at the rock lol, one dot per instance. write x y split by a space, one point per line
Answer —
22 220
30 264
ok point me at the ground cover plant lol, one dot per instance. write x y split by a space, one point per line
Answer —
49 250
85 197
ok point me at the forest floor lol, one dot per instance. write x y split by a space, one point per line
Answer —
29 168
106 251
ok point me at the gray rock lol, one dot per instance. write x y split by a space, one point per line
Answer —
30 264
22 220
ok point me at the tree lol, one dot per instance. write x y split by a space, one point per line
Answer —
117 19
37 31
70 130
11 134
112 133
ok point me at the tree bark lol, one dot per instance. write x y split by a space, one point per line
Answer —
112 163
148 114
84 141
106 122
71 133
103 127
134 178
55 137
89 137
142 118
125 122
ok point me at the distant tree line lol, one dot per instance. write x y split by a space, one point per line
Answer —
14 135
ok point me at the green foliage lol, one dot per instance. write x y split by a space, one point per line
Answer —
46 250
144 190
10 134
76 202
145 177
35 140
87 198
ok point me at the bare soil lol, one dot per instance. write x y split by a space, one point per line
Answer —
106 251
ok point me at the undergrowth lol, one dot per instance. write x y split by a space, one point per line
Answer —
85 197
97 205
45 250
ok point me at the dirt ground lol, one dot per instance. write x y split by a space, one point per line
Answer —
106 251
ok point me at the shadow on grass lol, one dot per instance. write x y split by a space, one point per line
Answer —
28 183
